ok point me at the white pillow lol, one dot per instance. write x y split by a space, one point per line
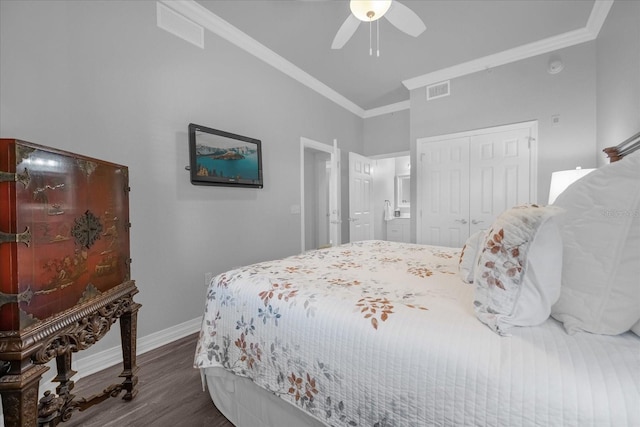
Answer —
601 235
469 256
518 273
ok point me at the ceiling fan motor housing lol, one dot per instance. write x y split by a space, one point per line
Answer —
369 10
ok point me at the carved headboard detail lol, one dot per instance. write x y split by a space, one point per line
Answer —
628 146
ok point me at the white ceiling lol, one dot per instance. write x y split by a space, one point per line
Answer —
458 31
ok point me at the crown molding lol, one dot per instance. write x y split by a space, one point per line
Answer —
212 22
587 33
599 13
209 20
386 109
519 53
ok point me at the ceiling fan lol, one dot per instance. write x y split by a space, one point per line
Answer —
398 14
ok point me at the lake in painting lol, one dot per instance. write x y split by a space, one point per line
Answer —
245 168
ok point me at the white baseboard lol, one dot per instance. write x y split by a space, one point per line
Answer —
112 356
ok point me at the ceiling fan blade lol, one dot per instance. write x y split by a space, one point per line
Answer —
405 19
347 29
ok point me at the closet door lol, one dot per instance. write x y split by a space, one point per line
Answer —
499 175
444 207
466 180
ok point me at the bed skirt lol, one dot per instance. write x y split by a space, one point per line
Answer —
247 405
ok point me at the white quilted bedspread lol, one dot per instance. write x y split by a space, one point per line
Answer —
384 334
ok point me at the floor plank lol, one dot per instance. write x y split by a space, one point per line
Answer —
169 393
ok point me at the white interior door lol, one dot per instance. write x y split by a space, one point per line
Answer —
326 191
444 214
499 170
466 180
360 198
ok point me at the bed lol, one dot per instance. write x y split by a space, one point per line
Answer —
379 333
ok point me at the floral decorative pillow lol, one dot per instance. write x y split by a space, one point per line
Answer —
469 256
519 270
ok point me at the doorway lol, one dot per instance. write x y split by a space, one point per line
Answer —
391 178
319 195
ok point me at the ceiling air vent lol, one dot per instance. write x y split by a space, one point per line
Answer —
438 90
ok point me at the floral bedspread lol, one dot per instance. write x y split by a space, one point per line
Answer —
338 332
384 334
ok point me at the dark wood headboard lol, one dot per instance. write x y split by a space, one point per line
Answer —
628 146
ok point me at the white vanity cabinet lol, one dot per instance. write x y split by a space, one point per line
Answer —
398 230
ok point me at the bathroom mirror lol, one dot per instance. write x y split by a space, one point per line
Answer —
403 191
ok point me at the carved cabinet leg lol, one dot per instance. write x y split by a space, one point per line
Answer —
19 389
128 335
63 364
53 408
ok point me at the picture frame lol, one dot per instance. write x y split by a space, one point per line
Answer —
220 158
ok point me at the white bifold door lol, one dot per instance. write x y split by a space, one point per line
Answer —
466 180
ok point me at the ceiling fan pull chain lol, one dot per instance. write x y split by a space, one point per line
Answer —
378 37
370 48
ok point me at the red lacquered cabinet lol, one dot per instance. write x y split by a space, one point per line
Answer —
64 275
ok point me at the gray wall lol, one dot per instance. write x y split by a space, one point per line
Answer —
101 79
618 79
388 133
518 92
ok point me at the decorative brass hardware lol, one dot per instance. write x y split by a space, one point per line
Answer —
24 296
86 166
87 229
7 176
24 237
22 178
23 152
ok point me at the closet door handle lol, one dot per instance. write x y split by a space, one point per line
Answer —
475 221
461 221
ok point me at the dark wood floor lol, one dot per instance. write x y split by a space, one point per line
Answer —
169 393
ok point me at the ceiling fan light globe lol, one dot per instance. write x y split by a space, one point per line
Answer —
369 10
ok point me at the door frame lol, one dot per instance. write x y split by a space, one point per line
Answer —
334 189
532 125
